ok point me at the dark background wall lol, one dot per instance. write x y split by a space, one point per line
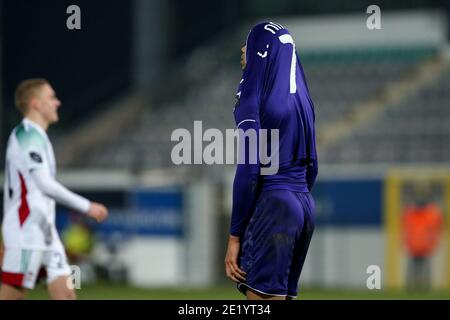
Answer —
85 66
120 40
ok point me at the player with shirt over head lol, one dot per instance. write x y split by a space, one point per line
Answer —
273 215
30 238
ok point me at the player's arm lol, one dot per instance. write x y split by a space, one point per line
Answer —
246 181
55 190
245 186
245 195
34 147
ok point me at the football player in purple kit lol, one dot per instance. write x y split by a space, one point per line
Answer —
273 215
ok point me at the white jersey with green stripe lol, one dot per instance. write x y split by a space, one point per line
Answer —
29 214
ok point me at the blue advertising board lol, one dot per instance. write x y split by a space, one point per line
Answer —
349 202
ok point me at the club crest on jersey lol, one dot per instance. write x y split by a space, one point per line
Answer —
263 55
35 157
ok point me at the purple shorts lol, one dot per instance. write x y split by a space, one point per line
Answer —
276 242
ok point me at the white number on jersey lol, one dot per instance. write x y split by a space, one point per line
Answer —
287 39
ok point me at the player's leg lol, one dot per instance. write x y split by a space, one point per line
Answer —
301 244
8 292
425 273
19 272
59 290
415 281
58 275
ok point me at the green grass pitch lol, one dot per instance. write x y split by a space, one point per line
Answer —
228 292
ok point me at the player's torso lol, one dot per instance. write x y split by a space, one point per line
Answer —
29 215
284 112
273 91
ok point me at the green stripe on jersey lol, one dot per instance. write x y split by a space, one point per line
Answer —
25 260
30 138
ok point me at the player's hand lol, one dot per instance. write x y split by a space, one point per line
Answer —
98 212
232 269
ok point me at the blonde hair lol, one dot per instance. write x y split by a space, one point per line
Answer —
26 90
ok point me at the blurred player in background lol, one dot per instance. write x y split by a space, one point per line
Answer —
423 226
30 237
273 215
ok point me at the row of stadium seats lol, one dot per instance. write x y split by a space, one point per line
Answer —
338 89
338 84
415 131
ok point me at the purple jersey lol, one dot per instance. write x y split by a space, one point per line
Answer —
273 94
